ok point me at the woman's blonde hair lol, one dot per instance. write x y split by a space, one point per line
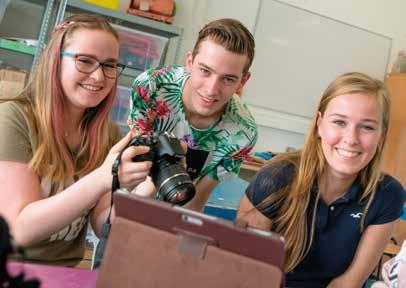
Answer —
292 220
46 101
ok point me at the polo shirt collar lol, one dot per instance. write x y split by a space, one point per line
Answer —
322 214
352 193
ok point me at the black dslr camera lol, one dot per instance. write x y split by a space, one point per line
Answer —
168 174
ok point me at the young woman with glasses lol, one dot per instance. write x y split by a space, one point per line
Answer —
58 145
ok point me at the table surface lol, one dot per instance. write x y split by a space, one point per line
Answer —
55 276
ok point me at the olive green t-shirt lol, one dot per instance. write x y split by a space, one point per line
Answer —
66 247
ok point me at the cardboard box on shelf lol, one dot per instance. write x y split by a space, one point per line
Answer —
153 16
12 82
162 7
160 10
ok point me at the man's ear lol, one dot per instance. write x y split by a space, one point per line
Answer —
189 61
245 77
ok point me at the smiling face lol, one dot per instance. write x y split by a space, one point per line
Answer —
216 74
350 130
87 90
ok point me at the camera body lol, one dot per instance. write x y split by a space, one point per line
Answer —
167 172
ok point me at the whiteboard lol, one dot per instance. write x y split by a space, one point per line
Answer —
298 53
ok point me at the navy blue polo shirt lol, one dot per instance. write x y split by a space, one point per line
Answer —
337 231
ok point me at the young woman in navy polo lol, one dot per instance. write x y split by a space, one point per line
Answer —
330 200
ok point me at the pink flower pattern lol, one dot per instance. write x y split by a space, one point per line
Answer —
160 71
143 93
144 127
242 153
162 109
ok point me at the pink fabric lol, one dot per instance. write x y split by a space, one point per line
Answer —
55 276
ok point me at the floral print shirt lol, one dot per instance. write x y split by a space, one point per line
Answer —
217 151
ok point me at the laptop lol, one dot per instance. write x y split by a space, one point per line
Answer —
155 244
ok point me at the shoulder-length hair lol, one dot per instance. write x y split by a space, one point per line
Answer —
292 220
46 101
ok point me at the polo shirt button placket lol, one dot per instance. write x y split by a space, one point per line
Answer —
331 208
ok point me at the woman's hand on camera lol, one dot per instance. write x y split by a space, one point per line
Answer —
130 173
145 189
133 173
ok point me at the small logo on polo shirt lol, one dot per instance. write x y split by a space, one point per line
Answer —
357 215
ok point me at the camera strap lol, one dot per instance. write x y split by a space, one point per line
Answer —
115 183
105 231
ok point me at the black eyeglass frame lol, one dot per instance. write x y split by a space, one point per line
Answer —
120 66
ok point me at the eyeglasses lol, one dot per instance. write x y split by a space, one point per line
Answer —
88 64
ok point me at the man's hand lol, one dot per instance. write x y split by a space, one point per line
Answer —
203 191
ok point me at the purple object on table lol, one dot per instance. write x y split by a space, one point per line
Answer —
55 276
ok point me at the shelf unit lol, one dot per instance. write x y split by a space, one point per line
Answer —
56 10
118 17
17 47
15 53
45 26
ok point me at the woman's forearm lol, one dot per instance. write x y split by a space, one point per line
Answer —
40 219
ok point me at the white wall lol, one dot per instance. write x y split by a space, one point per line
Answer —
191 15
380 16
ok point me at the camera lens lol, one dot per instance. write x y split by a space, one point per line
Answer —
173 183
179 194
169 176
